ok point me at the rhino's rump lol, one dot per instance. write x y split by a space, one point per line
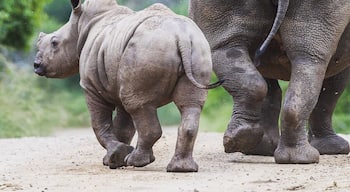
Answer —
131 57
150 65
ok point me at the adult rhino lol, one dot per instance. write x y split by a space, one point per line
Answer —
305 52
132 63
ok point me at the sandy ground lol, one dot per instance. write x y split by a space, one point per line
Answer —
72 161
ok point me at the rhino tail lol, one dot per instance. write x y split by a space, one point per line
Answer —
281 13
185 49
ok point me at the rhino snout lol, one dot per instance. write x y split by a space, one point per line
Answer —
38 68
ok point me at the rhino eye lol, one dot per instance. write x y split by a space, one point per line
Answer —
54 42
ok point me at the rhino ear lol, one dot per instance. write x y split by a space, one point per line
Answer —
41 35
76 5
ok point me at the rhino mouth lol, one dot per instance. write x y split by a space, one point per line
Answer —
39 69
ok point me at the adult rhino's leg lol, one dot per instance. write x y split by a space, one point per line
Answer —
269 120
101 119
299 101
321 134
309 53
148 131
124 129
234 32
189 101
248 89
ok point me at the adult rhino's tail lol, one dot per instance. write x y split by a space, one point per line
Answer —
281 13
185 52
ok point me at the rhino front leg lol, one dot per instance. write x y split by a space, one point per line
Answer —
321 134
149 131
124 129
101 119
248 89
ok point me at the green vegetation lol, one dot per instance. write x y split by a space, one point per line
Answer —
341 117
217 110
18 20
178 6
32 105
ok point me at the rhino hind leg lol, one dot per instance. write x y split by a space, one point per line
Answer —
149 131
321 134
309 67
243 138
189 100
248 89
299 102
269 120
182 161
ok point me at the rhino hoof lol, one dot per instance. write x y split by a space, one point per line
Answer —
139 159
115 157
182 165
242 139
299 154
330 145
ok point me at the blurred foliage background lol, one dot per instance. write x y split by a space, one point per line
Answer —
35 106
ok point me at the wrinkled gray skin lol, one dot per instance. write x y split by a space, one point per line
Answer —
132 63
305 52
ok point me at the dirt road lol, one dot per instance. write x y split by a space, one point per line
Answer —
72 161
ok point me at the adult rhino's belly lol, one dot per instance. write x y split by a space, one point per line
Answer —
336 65
275 63
275 71
278 66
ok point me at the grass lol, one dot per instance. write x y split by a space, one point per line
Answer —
217 110
32 106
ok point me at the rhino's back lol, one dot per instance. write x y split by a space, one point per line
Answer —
120 30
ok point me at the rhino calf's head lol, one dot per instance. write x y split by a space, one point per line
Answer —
57 54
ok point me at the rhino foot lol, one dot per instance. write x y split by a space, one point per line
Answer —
182 165
139 158
242 139
330 145
115 156
266 147
299 154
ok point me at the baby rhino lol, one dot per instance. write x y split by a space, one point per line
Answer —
133 63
